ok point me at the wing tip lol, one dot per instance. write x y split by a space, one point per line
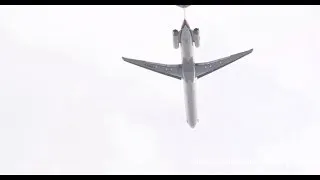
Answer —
247 52
125 59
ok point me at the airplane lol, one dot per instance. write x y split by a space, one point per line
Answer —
188 71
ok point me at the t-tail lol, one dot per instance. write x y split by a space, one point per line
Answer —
183 6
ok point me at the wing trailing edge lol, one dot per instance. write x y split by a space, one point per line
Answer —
203 69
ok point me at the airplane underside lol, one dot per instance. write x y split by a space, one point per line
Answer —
188 71
175 70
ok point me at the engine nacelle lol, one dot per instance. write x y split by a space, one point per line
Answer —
176 39
196 37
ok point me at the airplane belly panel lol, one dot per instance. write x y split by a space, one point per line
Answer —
190 103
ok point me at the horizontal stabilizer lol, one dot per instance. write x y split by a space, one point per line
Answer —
183 6
203 69
174 71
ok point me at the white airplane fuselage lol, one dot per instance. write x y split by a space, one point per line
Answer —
188 72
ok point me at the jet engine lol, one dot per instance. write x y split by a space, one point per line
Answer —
196 37
176 39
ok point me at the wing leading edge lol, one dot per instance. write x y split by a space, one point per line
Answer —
174 70
206 68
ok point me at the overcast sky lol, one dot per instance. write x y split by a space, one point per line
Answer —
70 105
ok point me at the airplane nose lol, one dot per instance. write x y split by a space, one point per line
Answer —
192 124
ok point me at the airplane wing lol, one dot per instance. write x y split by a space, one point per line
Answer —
206 68
165 69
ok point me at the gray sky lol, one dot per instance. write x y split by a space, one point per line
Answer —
70 105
